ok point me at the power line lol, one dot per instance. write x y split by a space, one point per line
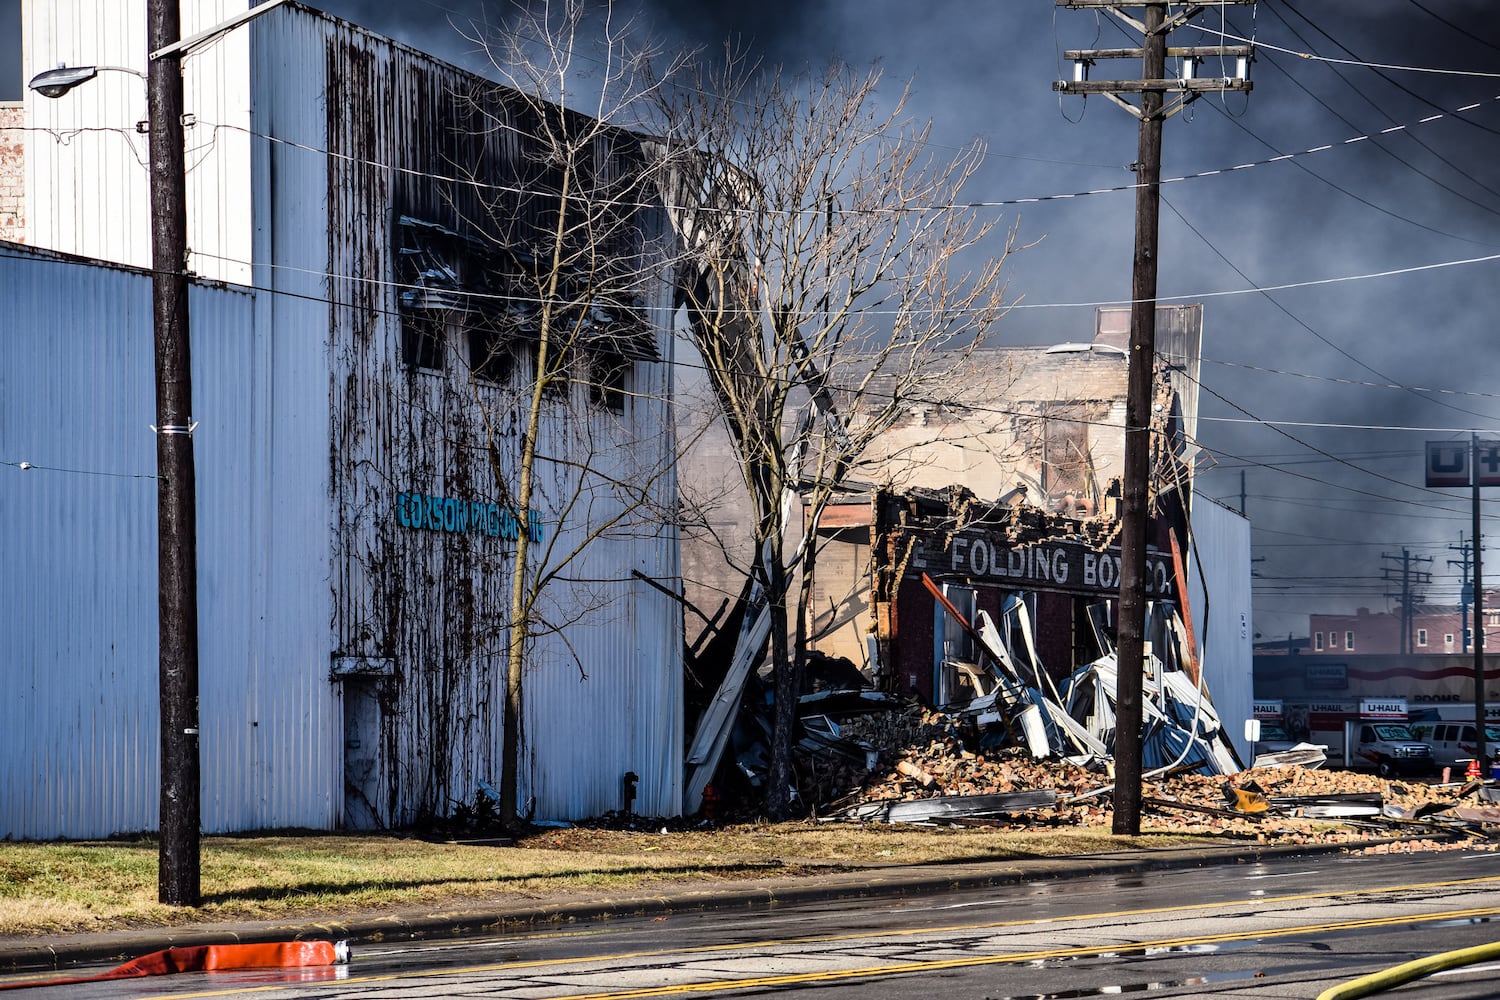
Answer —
1312 57
1335 380
1294 317
1410 93
1462 31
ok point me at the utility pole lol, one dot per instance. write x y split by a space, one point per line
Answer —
176 495
1135 488
1466 593
1480 751
1408 598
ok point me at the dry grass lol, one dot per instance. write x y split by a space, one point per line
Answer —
81 887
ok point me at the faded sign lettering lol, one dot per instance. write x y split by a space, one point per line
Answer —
1064 565
419 510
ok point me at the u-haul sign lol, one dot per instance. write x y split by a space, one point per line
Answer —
1448 462
1382 708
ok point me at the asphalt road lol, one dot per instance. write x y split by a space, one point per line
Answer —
1282 928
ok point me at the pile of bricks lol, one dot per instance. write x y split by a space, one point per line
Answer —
925 754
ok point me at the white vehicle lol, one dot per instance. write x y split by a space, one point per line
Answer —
1453 744
1388 747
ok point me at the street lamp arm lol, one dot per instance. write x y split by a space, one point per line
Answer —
57 82
207 35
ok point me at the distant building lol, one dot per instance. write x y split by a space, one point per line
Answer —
1434 629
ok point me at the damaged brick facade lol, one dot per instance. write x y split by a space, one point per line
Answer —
1015 496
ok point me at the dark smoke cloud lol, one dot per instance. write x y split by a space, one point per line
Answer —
1415 197
1409 198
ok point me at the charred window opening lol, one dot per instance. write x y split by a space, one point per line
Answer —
493 354
422 342
609 381
1065 451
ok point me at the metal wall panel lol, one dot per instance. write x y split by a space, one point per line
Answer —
86 175
310 425
605 700
1219 572
79 742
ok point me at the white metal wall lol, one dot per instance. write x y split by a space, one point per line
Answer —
86 177
79 742
434 602
1219 570
583 735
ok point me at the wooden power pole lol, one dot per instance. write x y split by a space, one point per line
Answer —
1153 86
176 512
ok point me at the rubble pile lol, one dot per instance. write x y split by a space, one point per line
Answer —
1015 744
930 768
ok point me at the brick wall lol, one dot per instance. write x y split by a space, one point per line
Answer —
12 174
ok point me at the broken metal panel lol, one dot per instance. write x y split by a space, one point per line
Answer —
951 807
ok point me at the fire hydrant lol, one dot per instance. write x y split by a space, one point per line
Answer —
1473 771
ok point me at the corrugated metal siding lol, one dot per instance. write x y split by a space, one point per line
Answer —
78 734
310 425
86 164
79 741
583 735
301 751
434 603
1220 585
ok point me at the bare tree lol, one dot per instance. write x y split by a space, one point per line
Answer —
577 254
834 282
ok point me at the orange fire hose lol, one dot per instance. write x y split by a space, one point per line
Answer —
214 958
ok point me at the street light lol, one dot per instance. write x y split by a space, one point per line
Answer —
178 868
57 82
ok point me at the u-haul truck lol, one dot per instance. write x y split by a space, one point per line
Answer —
1381 739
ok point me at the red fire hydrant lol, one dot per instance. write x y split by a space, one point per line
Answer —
1473 771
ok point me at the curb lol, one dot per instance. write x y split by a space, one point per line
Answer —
490 919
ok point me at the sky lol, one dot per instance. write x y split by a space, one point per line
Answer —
1342 329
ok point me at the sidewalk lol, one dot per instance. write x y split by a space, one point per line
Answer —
476 917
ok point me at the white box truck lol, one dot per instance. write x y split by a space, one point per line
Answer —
1381 739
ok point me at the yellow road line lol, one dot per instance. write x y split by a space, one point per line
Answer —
878 971
1113 915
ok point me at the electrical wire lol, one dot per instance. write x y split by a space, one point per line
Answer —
1462 31
1477 182
1293 316
389 312
1357 383
1312 57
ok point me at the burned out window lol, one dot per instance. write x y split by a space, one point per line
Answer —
1065 450
422 341
436 285
609 381
493 355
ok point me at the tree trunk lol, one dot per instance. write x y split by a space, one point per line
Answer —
786 685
